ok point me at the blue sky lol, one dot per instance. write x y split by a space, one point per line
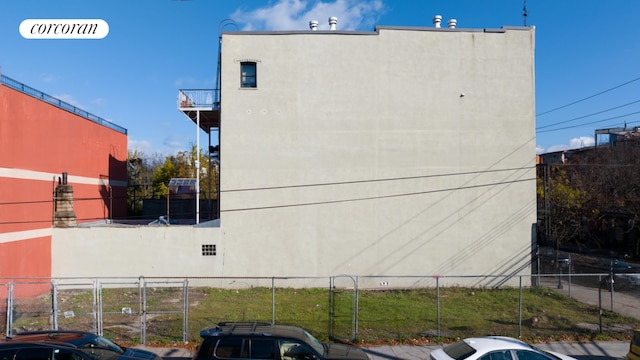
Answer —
587 56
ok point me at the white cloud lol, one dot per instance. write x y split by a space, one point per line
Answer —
70 100
143 146
296 14
575 143
173 144
581 142
555 148
99 101
48 77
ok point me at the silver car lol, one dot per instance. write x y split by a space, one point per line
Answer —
494 348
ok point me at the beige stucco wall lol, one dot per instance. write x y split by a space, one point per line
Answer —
359 154
132 251
399 152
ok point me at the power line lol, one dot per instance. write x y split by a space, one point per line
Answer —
594 122
588 97
312 185
585 116
377 180
378 197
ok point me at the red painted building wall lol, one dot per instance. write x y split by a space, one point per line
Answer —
38 142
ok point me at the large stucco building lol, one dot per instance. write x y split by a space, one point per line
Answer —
401 151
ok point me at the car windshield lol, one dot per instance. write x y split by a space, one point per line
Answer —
314 343
103 343
460 350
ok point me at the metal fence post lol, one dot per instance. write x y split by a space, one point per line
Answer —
520 310
273 301
93 307
97 290
331 315
438 302
570 271
613 280
9 308
185 308
142 287
54 305
600 303
357 308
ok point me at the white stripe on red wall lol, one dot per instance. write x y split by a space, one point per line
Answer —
45 176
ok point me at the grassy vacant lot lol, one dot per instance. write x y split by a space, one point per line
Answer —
414 316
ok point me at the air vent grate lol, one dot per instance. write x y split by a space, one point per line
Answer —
208 250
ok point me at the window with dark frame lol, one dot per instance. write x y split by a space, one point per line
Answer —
248 77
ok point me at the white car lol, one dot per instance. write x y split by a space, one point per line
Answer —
494 348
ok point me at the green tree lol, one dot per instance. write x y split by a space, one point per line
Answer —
594 198
565 203
162 176
183 165
139 176
149 176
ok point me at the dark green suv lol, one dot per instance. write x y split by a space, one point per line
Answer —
260 340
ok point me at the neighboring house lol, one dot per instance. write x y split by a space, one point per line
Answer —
612 226
43 143
401 151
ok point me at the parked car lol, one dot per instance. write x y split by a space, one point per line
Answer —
19 350
634 346
548 260
83 340
494 348
261 340
624 275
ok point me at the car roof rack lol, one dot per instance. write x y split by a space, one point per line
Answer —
233 326
242 325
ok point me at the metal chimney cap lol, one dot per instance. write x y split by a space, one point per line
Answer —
436 20
332 22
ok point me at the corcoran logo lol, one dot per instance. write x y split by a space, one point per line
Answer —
64 29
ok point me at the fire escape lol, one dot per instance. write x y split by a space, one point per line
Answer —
202 106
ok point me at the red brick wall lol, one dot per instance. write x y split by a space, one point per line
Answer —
38 142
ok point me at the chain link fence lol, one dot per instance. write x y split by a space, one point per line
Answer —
345 307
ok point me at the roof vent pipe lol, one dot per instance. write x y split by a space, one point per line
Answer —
332 22
452 23
437 20
313 25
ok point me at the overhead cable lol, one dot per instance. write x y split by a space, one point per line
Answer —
585 116
588 97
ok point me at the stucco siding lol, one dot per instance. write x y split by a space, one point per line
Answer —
400 152
160 251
